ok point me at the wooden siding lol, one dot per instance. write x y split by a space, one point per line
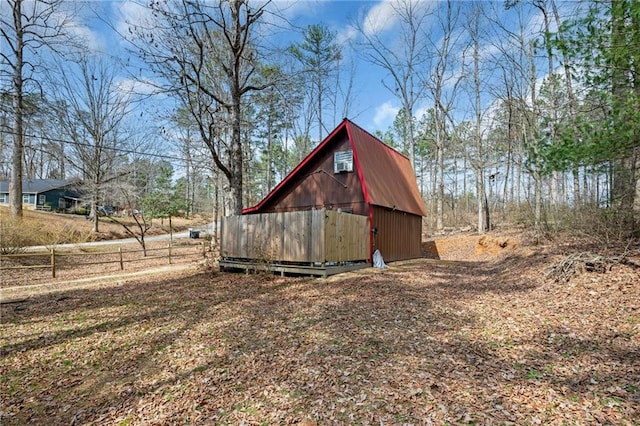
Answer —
317 186
398 234
311 236
53 197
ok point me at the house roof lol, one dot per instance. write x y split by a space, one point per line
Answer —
36 186
386 176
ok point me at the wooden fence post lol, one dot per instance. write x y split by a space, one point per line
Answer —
204 249
169 253
53 263
121 263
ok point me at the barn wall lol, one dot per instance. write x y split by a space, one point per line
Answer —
319 187
399 235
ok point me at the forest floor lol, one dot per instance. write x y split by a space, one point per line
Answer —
494 332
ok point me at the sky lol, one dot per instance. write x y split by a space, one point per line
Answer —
374 106
374 109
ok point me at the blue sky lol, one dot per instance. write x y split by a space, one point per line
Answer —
374 106
373 111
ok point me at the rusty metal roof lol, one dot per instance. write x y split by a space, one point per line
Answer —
386 176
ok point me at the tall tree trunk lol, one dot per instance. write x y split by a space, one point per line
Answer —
487 213
533 126
480 192
434 190
15 190
507 171
465 167
635 82
624 172
269 149
566 63
409 132
319 83
215 182
537 202
479 164
94 213
237 158
440 176
554 180
189 187
454 195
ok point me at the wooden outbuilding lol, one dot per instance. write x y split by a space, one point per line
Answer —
354 172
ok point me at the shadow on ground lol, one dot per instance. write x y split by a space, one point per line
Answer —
457 342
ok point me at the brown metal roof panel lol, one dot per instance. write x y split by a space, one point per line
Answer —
388 177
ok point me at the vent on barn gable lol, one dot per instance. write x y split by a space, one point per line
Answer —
343 161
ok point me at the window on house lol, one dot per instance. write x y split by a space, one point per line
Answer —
4 198
343 161
42 198
25 198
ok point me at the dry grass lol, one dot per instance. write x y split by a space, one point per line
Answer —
81 263
16 234
473 342
47 228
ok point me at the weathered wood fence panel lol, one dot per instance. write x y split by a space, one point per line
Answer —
315 236
346 235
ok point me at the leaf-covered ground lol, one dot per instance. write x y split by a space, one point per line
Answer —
473 342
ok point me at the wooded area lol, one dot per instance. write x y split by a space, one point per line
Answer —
532 120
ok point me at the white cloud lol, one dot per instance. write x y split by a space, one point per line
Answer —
536 24
380 18
128 85
421 112
489 51
130 13
346 35
67 16
387 13
89 38
384 115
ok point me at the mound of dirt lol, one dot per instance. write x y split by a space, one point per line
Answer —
470 247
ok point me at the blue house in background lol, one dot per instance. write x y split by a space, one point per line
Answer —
45 194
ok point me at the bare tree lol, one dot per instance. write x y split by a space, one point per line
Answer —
142 223
442 82
29 28
192 150
567 65
92 108
404 58
478 159
205 54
